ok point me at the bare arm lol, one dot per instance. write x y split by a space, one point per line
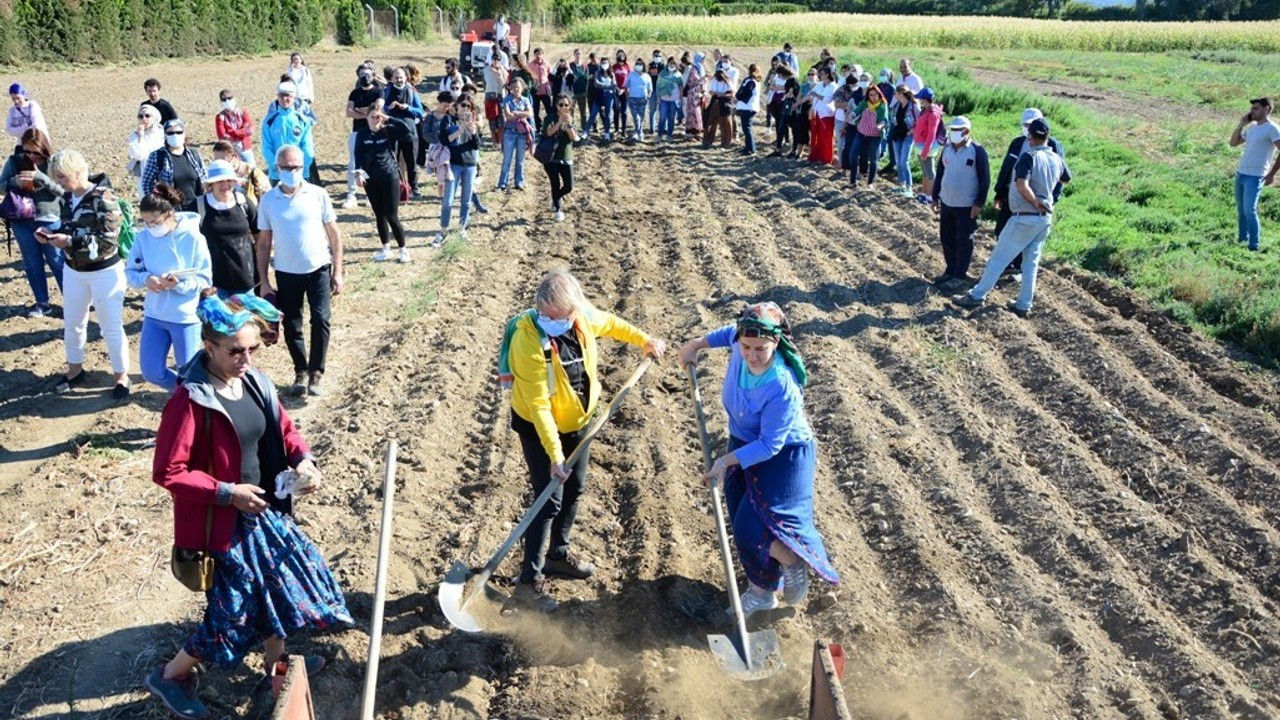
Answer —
264 259
1237 136
1024 189
335 249
1274 166
355 112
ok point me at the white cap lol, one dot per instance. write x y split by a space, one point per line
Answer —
959 122
286 88
1031 114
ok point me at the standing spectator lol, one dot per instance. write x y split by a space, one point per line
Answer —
668 91
378 172
783 94
177 165
152 89
844 101
26 173
903 111
437 149
1004 179
452 81
1031 200
302 78
561 84
788 58
801 124
639 90
286 127
360 101
255 182
1260 136
621 69
502 34
145 139
581 86
297 219
402 105
495 79
88 234
170 260
748 108
908 77
886 83
721 113
462 135
606 93
540 88
656 66
25 113
867 119
823 118
887 90
229 224
924 141
517 112
234 125
560 167
694 84
960 193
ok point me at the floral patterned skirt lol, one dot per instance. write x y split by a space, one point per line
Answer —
272 581
773 500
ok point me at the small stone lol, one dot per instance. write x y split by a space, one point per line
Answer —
1242 611
582 682
1187 691
876 510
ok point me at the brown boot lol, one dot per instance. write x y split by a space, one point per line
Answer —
535 596
314 387
570 566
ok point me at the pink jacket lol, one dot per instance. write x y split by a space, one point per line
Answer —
925 133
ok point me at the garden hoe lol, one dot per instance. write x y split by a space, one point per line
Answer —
747 656
454 596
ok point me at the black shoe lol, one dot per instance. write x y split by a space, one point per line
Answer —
941 279
65 383
534 595
1014 308
966 301
955 284
120 392
299 387
570 566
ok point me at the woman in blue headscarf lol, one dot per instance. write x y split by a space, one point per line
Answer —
768 471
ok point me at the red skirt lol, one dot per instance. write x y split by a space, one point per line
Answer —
822 140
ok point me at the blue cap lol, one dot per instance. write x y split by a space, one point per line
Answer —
925 94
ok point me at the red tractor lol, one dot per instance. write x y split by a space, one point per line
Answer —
478 40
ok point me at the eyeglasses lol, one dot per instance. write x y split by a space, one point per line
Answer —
238 351
174 132
288 168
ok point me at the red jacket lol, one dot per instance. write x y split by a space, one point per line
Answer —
235 129
183 457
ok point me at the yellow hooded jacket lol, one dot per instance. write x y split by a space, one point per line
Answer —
561 411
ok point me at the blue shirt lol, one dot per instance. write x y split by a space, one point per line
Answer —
767 416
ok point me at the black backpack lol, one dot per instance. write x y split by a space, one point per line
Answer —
745 91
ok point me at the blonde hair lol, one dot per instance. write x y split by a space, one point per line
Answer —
69 163
559 289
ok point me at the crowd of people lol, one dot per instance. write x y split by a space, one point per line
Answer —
228 254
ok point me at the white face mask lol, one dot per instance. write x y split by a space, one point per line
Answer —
159 230
957 136
1025 131
292 178
864 84
173 141
229 104
554 328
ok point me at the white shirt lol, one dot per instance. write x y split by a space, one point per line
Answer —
301 76
823 105
731 72
753 103
500 30
297 229
914 82
1259 148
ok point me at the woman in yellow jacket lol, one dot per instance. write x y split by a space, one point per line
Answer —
553 358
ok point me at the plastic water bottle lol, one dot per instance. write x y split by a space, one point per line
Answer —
286 482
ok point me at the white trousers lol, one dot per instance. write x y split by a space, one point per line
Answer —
104 290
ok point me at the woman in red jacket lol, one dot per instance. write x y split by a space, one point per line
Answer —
224 442
234 125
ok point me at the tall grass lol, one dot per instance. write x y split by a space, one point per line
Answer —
995 33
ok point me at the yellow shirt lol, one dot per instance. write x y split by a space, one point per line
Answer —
561 412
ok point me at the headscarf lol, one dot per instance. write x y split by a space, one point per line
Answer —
215 313
780 332
698 58
17 89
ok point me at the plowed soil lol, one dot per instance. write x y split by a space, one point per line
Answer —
1074 515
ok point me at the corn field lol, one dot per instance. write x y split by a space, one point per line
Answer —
970 32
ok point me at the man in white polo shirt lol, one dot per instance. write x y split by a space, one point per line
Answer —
297 219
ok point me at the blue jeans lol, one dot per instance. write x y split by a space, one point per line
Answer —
1024 234
748 133
637 107
902 158
464 175
603 107
1248 190
513 147
667 118
864 152
653 111
153 349
35 256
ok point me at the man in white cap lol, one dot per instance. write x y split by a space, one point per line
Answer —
286 126
1031 202
1017 147
959 194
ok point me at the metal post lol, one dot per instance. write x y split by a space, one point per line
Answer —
395 18
380 584
373 33
440 23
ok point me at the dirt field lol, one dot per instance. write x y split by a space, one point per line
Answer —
1072 516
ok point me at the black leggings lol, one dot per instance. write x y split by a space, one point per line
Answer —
552 527
384 198
408 151
561 176
781 114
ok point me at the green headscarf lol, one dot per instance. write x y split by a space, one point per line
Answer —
790 355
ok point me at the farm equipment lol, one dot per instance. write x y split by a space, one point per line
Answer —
477 43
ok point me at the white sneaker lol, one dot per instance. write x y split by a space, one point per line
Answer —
753 602
382 255
404 255
438 240
350 202
559 216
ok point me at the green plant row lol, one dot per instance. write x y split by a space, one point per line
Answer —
969 32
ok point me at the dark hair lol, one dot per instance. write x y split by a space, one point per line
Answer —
286 77
1263 101
224 94
224 146
720 75
826 71
37 137
163 199
387 72
151 82
785 70
445 96
753 71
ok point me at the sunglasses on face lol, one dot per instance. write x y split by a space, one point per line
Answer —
143 117
238 351
174 132
288 168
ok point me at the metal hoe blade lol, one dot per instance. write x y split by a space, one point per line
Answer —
451 602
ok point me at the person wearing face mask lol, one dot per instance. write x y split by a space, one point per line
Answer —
170 260
550 361
769 469
788 58
959 194
378 173
668 91
360 101
287 126
721 111
621 71
822 116
145 139
783 93
656 65
639 90
606 95
496 78
885 82
844 101
1017 148
903 112
234 125
867 121
177 165
694 88
229 224
25 113
403 105
152 88
924 141
26 174
1260 136
296 220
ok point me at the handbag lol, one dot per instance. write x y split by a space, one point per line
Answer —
545 151
405 190
17 207
194 568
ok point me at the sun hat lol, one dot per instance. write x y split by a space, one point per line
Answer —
1031 114
286 88
959 122
220 170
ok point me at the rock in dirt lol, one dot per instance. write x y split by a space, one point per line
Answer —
876 510
1242 611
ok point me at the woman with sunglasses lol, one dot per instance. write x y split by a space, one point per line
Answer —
552 357
461 132
26 175
768 471
223 443
560 167
145 139
800 123
378 172
170 260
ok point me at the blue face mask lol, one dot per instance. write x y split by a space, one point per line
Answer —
292 178
554 328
